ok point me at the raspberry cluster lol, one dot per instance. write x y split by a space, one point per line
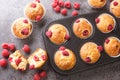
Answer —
39 75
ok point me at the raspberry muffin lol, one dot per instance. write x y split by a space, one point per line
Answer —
37 59
18 61
97 3
21 28
64 58
34 11
57 34
112 46
82 28
90 52
105 23
115 8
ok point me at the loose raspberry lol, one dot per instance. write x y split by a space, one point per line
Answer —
100 48
57 9
26 48
10 59
107 41
3 62
12 47
43 74
64 11
17 61
67 36
33 5
65 53
54 4
110 27
38 1
88 59
77 21
85 32
25 21
61 3
62 48
97 20
36 58
25 31
5 46
67 4
44 57
36 77
115 3
49 34
76 5
31 67
74 13
5 53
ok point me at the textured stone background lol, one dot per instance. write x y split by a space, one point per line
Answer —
13 9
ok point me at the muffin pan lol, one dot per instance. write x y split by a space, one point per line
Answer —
75 43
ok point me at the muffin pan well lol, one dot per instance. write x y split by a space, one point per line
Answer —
76 43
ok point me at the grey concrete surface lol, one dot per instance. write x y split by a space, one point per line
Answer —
13 9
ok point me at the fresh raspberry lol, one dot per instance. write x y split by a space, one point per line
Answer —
38 1
100 48
115 3
97 20
64 11
36 58
26 48
5 46
5 53
3 62
54 4
12 47
48 34
43 74
76 5
57 9
33 5
74 13
10 59
31 67
17 61
25 31
77 21
65 53
85 32
67 36
110 27
107 41
62 48
25 21
88 59
44 57
36 77
61 3
67 4
38 18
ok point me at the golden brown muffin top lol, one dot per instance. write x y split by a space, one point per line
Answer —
97 3
90 53
82 28
105 23
34 11
65 59
115 8
112 46
22 28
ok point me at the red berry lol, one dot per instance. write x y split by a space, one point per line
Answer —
10 59
36 77
61 3
97 20
75 13
36 58
54 4
64 11
110 27
5 46
38 1
76 5
38 18
31 67
3 62
33 5
88 59
25 31
115 3
43 74
17 61
57 9
5 53
12 47
67 36
25 21
77 21
85 32
65 53
107 41
100 48
26 48
44 57
49 34
62 48
67 4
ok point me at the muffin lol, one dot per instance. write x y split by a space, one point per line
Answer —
105 23
64 58
115 8
97 3
21 28
112 46
82 28
37 59
34 11
18 61
90 52
57 34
